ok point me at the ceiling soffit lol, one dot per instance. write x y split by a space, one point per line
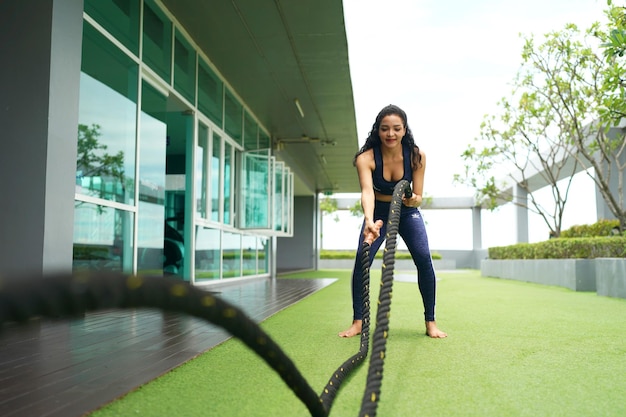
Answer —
274 52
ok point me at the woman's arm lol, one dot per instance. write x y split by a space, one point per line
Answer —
418 184
365 165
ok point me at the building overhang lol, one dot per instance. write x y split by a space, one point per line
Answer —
274 53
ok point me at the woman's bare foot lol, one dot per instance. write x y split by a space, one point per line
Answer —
433 331
353 330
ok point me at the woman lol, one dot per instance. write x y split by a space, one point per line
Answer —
388 156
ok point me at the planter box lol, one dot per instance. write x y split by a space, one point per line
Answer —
575 274
399 265
611 277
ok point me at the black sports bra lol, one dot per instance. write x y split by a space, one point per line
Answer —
381 185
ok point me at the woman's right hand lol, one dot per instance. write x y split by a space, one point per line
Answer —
371 231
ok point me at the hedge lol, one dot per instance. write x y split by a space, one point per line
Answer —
564 248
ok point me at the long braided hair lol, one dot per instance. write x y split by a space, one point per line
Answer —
373 139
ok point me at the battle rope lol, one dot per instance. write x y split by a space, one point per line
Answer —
331 389
67 295
379 342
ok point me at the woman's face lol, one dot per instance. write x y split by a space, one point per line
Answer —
391 130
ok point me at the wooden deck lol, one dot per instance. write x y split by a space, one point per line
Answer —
71 367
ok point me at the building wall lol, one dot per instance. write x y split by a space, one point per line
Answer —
40 52
298 252
41 47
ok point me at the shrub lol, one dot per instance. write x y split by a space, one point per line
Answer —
602 227
564 248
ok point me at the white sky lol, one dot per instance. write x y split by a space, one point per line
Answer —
447 63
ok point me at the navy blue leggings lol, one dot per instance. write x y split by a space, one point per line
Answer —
413 232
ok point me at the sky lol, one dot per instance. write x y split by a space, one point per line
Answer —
447 64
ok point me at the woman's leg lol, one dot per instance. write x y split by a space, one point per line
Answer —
413 232
357 282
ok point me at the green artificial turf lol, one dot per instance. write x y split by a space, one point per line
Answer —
514 349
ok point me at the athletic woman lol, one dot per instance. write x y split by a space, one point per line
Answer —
388 156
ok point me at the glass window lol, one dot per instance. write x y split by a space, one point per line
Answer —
231 255
105 166
201 170
157 40
264 140
288 201
263 257
216 185
233 112
250 133
119 17
151 214
184 68
210 93
208 259
228 178
249 255
279 189
103 238
255 190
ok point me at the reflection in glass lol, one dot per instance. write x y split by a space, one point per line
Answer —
107 112
151 214
250 132
233 117
264 140
103 238
279 189
210 93
231 254
255 190
263 257
228 171
184 68
201 170
249 255
120 18
216 186
208 259
157 40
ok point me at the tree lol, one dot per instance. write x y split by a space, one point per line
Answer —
357 209
92 161
328 206
555 124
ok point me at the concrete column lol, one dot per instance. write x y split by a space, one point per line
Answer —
40 51
520 198
477 230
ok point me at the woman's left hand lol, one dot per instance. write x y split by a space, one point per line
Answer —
413 201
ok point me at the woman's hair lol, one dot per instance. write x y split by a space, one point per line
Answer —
373 139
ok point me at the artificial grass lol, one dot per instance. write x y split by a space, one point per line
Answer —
514 349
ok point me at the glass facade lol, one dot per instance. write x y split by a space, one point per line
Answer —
157 40
151 209
174 174
103 238
105 164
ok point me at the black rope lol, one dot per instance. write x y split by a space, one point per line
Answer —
69 295
371 395
331 389
64 295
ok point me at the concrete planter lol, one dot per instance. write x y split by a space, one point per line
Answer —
575 274
611 277
400 265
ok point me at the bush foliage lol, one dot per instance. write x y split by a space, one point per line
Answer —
599 240
602 227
